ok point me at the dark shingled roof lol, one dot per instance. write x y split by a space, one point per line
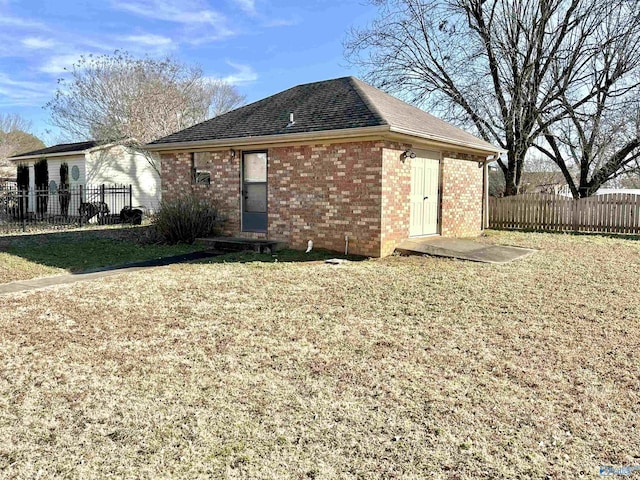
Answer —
337 104
61 148
328 105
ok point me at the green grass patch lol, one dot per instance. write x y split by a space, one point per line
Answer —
75 255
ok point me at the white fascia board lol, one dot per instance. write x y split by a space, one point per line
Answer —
350 133
448 141
48 155
347 133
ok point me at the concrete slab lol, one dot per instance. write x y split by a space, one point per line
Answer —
462 249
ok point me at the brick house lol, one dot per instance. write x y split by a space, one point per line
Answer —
330 160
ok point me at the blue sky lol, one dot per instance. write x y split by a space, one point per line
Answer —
262 46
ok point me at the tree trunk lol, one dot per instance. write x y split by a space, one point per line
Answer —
513 172
510 187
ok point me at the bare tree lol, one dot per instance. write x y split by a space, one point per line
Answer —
503 66
496 182
118 98
224 97
15 139
599 139
630 181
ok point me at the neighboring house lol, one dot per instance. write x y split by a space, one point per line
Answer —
7 181
611 191
545 182
332 160
7 175
91 164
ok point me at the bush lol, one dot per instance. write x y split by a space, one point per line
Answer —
64 195
183 219
41 174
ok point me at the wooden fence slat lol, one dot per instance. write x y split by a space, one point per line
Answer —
635 214
619 212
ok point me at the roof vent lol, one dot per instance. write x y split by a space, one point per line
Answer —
292 122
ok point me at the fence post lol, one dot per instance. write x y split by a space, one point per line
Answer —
80 205
102 202
576 214
24 210
130 196
24 207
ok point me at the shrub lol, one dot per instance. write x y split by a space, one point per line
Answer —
23 177
41 175
64 195
23 186
183 219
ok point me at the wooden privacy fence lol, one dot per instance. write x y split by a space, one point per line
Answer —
616 213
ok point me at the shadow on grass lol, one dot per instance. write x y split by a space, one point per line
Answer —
93 250
85 251
281 256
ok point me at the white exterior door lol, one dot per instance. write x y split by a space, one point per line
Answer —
425 179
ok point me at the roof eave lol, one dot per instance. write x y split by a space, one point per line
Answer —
271 139
349 133
100 147
48 155
445 141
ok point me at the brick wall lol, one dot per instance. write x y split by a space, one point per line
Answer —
322 192
461 197
396 189
326 191
224 190
318 192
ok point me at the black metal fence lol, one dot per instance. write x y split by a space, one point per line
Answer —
76 206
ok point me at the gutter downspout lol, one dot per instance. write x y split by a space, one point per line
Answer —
485 210
485 191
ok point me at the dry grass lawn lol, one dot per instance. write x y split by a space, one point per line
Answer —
395 368
14 268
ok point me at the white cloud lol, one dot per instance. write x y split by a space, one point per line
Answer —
23 93
148 39
60 63
244 74
190 13
280 22
37 43
144 44
28 85
9 21
247 6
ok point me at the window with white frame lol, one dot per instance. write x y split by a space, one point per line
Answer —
200 175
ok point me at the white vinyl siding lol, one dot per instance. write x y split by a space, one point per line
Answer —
123 166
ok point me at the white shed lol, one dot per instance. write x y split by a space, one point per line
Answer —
91 165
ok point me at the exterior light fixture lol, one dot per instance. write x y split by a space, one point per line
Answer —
232 153
407 154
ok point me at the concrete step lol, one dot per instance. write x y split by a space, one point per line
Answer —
235 244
